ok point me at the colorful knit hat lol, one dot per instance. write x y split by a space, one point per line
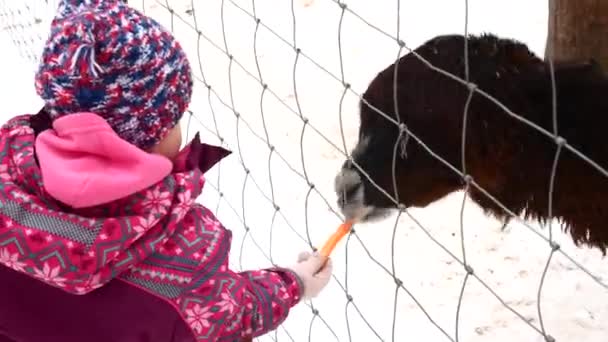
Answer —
109 59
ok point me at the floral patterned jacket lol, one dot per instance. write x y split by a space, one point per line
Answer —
158 240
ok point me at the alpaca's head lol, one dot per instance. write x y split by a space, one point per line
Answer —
431 106
387 161
388 155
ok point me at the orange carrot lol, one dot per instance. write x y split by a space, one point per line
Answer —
333 240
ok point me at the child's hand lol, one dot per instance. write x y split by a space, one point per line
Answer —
314 271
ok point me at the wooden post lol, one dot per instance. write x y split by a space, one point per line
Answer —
578 30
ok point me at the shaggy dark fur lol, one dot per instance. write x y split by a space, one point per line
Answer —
505 156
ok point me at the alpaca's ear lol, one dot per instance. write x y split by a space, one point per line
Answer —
537 82
572 75
586 70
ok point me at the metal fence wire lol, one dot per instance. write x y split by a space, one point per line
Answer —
284 100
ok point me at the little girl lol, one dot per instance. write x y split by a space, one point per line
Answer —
100 235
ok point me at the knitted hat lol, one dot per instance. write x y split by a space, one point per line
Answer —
109 59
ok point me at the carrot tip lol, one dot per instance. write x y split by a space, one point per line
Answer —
333 240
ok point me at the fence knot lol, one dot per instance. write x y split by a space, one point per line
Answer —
549 338
560 141
398 282
402 128
349 298
469 269
468 179
554 245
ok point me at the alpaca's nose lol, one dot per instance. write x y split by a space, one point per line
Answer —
348 186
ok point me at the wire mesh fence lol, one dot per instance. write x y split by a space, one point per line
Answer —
278 83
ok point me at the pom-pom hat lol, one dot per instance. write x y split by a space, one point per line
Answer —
109 59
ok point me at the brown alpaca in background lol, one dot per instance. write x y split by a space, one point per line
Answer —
505 156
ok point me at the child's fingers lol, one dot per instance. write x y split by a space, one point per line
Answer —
321 265
326 269
303 256
327 266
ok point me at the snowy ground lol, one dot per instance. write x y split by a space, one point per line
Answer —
574 306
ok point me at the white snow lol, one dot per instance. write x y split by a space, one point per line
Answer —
574 306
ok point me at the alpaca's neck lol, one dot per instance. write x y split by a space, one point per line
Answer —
578 198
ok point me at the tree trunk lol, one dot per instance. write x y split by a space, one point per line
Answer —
578 31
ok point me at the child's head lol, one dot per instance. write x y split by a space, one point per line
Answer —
109 59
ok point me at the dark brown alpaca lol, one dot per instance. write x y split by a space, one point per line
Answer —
505 156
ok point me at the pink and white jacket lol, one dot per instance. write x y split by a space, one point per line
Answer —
81 209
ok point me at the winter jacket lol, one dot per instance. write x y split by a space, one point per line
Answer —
150 266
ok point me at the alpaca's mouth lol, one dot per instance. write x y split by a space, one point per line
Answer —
359 212
375 215
351 198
